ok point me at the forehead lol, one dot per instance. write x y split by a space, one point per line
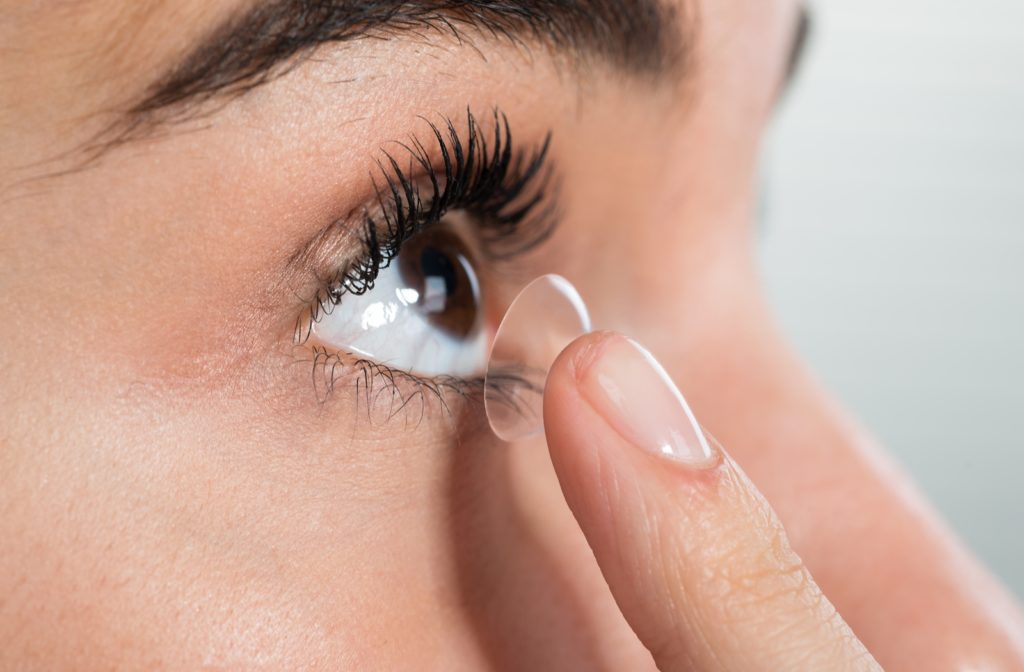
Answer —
80 56
69 60
106 33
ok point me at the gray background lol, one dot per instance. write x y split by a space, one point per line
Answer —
893 243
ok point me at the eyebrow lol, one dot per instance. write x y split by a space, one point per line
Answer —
641 37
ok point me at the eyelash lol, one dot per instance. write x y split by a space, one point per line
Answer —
387 392
490 182
510 196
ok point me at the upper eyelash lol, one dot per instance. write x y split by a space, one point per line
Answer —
503 189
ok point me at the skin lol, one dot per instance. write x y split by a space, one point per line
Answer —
174 495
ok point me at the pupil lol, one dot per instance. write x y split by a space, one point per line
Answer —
436 264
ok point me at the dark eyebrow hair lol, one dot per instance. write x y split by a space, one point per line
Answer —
637 36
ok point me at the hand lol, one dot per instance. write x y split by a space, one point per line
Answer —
696 559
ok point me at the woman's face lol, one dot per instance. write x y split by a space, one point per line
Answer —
210 452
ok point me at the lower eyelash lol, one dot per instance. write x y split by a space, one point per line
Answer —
385 393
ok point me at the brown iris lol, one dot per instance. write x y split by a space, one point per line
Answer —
436 265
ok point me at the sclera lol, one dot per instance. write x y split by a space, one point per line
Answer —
546 316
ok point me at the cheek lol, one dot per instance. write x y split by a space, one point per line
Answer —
212 537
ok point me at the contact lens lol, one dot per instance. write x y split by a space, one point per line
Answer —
543 319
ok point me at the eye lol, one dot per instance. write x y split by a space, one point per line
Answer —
423 315
411 299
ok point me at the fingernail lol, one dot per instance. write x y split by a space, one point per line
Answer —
634 394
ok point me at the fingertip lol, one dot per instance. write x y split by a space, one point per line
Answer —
578 356
564 408
562 397
573 428
628 388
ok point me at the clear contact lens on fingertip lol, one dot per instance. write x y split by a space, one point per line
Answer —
541 321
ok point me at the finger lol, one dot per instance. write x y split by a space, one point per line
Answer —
694 556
